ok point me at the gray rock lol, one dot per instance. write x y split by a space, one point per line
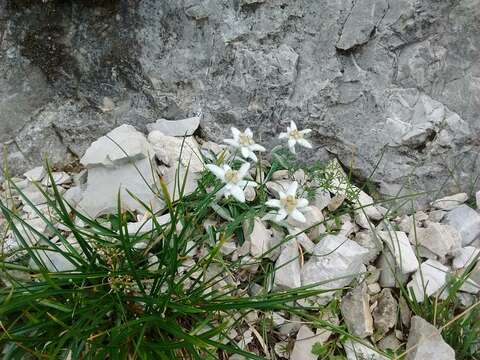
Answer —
184 127
385 313
302 350
450 202
355 308
287 267
362 20
426 342
466 221
430 277
260 238
399 246
440 239
477 198
368 240
36 174
465 257
393 90
336 261
358 351
53 261
390 273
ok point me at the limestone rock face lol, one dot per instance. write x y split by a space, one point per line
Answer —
372 78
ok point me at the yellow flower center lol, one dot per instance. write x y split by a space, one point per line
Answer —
295 134
232 176
289 203
245 139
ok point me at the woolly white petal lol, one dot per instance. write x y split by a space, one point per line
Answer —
237 193
293 126
244 151
306 131
283 135
301 203
297 215
217 171
257 147
248 132
282 214
291 143
305 143
282 195
236 133
252 155
231 142
273 203
243 184
243 170
292 189
292 149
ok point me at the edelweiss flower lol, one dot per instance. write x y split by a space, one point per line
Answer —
244 141
233 180
295 136
289 204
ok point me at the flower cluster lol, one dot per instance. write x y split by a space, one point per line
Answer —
289 205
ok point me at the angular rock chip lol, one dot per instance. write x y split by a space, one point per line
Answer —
426 342
184 127
356 312
398 244
430 277
336 261
466 221
450 202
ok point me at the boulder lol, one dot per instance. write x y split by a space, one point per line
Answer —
450 202
440 239
287 267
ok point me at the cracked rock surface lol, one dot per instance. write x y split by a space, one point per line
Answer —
392 78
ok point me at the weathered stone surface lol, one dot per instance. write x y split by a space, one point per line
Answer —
302 350
466 221
385 313
336 262
358 351
184 127
438 238
450 202
429 278
370 78
399 246
287 267
356 312
426 342
465 257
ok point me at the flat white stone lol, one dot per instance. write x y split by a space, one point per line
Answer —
440 239
390 273
36 174
336 261
466 221
398 244
450 202
314 221
52 260
430 277
287 267
173 151
106 184
302 350
464 257
120 146
184 127
144 227
59 178
355 307
260 238
426 342
358 351
366 203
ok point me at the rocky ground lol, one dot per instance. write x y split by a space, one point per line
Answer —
381 270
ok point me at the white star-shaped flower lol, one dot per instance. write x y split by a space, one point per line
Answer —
295 136
289 205
244 141
233 180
